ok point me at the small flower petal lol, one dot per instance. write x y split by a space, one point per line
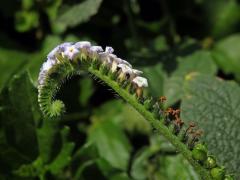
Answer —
125 68
126 62
71 52
47 65
137 72
104 57
140 81
96 49
83 44
109 50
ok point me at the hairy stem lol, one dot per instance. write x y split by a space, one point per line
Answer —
157 124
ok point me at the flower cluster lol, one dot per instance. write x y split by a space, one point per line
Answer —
84 51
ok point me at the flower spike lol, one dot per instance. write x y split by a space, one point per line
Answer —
68 59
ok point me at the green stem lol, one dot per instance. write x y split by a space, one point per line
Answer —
157 124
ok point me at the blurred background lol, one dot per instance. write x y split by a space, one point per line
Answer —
100 136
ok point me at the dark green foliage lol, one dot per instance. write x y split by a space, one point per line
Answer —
188 50
212 103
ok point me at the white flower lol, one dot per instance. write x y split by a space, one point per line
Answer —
94 51
127 63
104 57
83 44
140 81
52 54
41 77
125 71
115 62
70 52
137 72
84 48
58 50
125 68
63 46
47 65
109 50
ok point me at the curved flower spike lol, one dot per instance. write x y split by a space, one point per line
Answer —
106 66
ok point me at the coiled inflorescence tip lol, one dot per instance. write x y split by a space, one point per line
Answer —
68 58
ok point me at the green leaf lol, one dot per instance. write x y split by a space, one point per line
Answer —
222 16
167 165
52 9
11 61
156 77
112 143
86 90
49 143
49 160
176 167
36 59
64 156
214 105
226 54
18 118
198 62
139 169
26 20
134 122
27 4
78 14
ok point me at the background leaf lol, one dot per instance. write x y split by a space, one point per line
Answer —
11 62
78 14
214 105
198 62
112 144
226 54
17 121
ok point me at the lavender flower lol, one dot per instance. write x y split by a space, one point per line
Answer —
109 50
93 52
70 52
83 44
104 58
56 53
83 47
44 69
47 65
